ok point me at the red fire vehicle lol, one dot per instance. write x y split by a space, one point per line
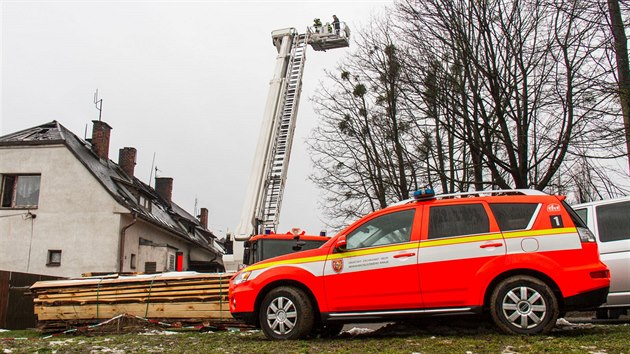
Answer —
521 255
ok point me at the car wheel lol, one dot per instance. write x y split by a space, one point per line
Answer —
524 305
286 313
601 314
614 314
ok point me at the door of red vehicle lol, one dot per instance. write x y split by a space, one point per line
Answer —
460 243
378 268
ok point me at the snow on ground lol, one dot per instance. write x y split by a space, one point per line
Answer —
357 331
98 349
155 332
61 342
563 324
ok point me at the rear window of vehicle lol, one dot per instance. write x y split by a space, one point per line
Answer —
513 216
457 220
613 221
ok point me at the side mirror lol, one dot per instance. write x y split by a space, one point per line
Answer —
341 244
247 249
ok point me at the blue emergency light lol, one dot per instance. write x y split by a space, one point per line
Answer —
423 194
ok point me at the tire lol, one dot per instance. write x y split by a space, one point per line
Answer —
524 305
286 313
601 314
614 314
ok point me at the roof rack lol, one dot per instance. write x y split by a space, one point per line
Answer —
495 192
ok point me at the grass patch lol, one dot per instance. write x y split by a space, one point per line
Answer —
591 339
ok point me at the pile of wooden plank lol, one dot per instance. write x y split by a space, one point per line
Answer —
182 296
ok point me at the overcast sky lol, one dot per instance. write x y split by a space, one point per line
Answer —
186 80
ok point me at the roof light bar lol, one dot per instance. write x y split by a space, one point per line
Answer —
423 194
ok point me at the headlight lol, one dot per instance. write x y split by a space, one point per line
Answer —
241 277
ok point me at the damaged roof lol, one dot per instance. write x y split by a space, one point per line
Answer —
125 189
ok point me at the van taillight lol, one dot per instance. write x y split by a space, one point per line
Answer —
585 234
600 274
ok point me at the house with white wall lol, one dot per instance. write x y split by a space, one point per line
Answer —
66 209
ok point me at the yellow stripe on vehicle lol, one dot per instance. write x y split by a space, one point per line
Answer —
417 244
286 261
545 232
368 251
455 240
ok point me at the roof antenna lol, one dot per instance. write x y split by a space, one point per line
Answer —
99 104
152 166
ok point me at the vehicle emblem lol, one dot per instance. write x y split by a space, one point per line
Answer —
553 208
337 265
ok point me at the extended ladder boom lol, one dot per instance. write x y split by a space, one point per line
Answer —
261 209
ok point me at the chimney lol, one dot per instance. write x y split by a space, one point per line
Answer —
127 160
100 139
203 218
164 188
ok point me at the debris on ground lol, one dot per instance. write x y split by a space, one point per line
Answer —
355 331
563 324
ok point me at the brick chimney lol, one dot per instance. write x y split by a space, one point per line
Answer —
127 160
164 188
100 139
203 218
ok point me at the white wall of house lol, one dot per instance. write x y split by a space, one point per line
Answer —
164 245
75 214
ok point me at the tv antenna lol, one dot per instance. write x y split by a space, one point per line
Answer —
152 167
99 104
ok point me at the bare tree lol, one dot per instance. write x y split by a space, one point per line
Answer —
460 94
527 80
620 45
361 148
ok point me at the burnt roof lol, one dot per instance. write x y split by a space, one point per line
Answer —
125 189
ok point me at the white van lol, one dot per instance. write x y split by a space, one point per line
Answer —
610 222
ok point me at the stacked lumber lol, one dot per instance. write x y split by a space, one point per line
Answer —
180 296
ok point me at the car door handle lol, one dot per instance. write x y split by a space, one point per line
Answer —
401 255
487 245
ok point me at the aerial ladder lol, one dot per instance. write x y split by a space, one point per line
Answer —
261 209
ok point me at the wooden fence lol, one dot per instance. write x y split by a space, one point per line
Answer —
16 302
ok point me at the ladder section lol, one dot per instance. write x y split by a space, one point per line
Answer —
286 119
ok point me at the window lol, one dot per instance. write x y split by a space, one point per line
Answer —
20 191
144 202
583 214
383 230
54 258
132 261
457 220
613 222
268 248
513 216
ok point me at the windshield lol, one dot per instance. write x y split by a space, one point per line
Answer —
274 248
269 248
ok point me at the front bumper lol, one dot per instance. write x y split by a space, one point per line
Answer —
247 317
